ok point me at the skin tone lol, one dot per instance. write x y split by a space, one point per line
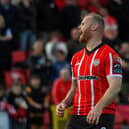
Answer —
74 34
26 2
65 75
38 48
125 51
91 35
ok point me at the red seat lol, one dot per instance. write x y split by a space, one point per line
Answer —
27 74
11 75
18 57
46 119
122 115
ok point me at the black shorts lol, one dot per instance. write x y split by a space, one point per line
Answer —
36 121
79 122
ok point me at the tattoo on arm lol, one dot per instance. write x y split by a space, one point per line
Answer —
70 96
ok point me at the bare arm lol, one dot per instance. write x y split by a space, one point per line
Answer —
33 103
108 97
68 101
111 93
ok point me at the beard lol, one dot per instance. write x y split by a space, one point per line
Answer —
85 36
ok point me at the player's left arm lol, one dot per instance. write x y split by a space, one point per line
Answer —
109 96
114 78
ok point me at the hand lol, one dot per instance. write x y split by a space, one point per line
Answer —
94 115
60 109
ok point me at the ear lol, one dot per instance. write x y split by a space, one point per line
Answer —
94 27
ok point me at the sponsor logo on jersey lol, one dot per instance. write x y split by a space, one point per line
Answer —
88 78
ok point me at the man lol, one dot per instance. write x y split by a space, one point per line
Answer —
10 14
38 63
111 32
59 63
97 78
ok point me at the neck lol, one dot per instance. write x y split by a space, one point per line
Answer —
93 43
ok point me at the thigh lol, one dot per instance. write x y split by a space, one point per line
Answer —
78 122
36 121
70 123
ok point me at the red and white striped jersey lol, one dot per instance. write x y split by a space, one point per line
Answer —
91 70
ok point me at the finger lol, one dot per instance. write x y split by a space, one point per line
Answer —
89 118
93 118
59 109
97 119
60 114
62 106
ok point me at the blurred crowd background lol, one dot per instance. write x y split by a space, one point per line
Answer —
37 41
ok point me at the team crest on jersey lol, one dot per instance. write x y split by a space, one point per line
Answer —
116 59
96 62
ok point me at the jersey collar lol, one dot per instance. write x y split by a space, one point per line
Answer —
90 52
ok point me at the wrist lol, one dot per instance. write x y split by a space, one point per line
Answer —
99 106
65 104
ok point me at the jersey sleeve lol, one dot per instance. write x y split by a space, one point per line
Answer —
113 65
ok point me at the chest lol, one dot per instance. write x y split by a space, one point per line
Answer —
37 94
39 60
90 66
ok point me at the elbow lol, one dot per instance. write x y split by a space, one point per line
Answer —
118 89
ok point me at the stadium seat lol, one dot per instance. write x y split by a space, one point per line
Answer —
27 74
46 119
18 57
11 75
122 116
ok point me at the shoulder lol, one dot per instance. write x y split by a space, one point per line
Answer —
110 55
109 50
57 81
77 56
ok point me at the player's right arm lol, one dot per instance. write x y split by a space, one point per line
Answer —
68 101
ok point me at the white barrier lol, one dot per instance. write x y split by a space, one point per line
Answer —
4 120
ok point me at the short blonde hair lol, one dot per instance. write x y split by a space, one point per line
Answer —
2 20
99 20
